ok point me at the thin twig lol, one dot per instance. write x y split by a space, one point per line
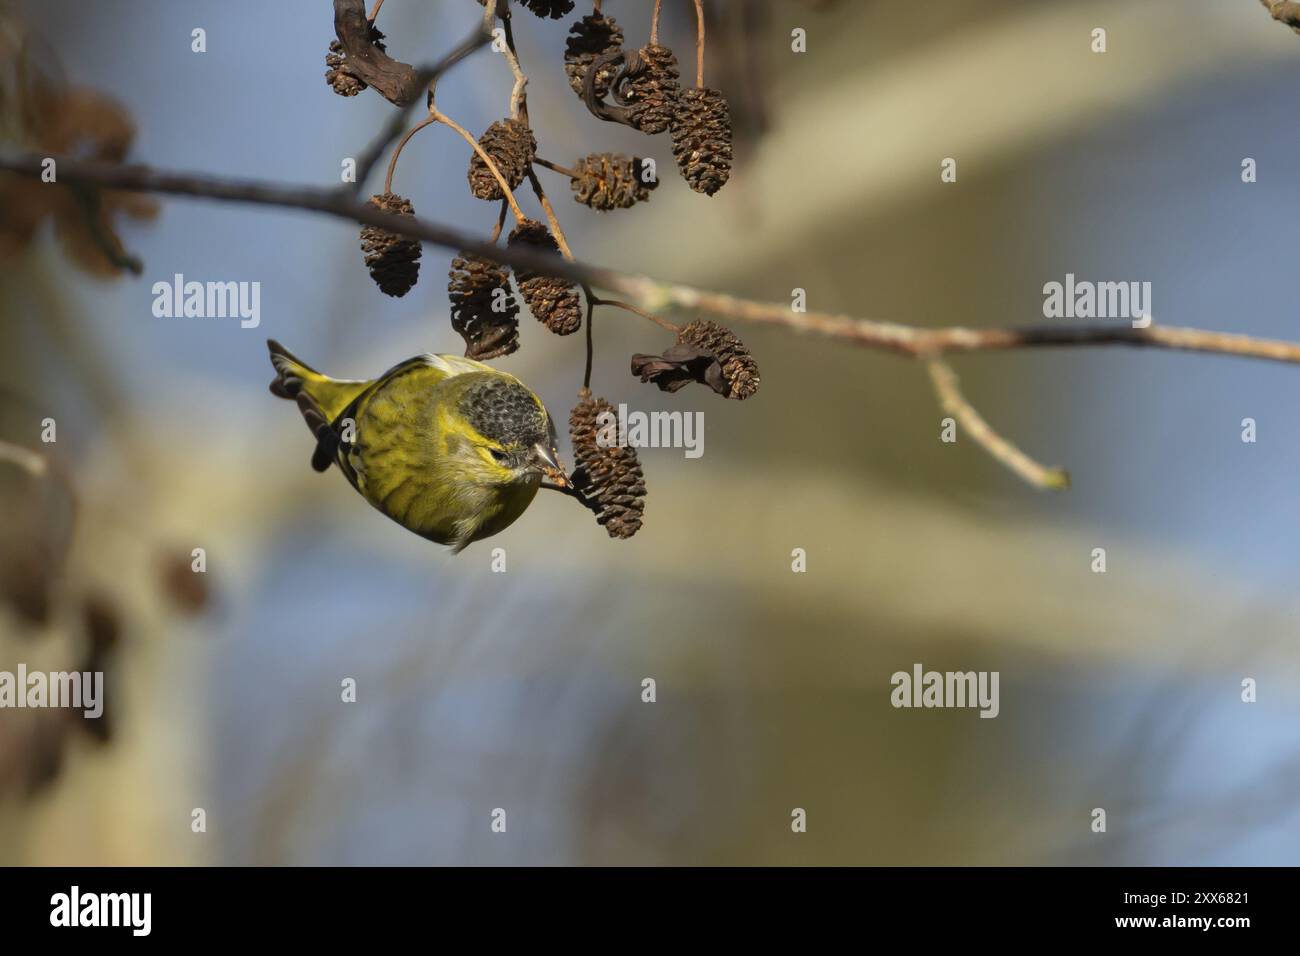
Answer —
550 215
487 160
588 503
653 293
628 307
501 220
518 97
591 311
699 44
428 75
374 11
392 163
557 168
654 24
952 402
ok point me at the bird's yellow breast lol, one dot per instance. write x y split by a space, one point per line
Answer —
409 460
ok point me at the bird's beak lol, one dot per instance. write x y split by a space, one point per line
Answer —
549 464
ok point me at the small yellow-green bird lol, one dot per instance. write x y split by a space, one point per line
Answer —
447 447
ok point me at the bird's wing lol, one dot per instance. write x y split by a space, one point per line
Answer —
419 376
458 364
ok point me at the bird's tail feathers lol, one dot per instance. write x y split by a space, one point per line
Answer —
289 371
321 399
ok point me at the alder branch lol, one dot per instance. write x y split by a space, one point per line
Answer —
954 403
518 95
651 295
427 78
398 82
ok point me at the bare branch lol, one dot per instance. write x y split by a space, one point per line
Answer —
952 402
397 152
395 81
652 294
488 161
518 102
628 307
428 77
551 218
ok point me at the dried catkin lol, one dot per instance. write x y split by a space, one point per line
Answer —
701 133
511 145
611 181
393 260
595 35
552 300
704 352
648 88
484 312
607 474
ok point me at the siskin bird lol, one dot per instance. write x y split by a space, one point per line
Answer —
447 447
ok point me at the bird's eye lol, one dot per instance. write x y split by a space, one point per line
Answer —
498 455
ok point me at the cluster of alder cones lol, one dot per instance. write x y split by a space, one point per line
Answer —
640 88
645 86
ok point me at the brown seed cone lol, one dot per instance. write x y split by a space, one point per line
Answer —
649 87
611 181
704 352
338 76
593 36
610 477
553 300
393 260
701 132
739 369
512 147
477 288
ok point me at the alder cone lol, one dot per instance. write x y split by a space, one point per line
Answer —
610 181
512 147
393 260
552 300
704 352
610 478
595 35
701 134
649 88
739 369
475 285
